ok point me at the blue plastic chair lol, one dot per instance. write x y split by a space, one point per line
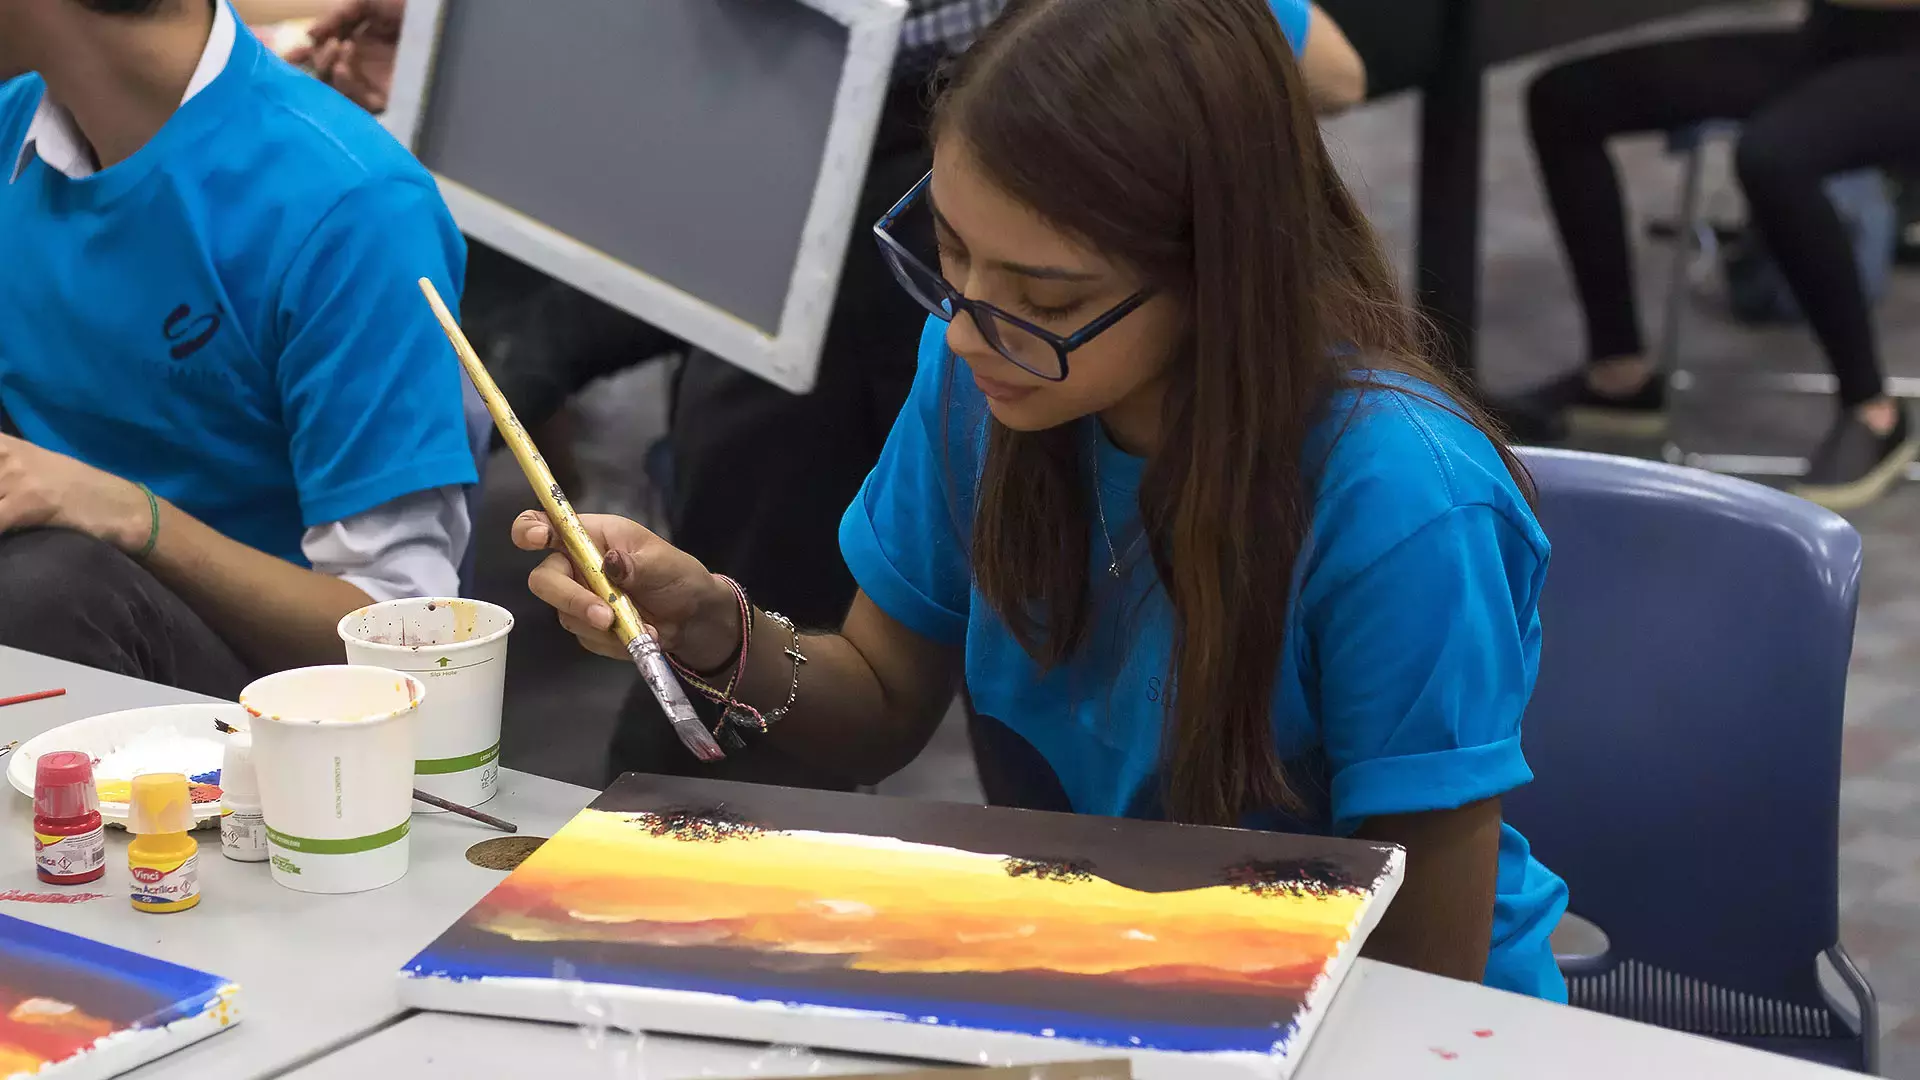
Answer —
1685 741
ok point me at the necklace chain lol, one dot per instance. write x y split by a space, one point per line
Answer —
1114 558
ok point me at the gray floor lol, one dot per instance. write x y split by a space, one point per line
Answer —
560 701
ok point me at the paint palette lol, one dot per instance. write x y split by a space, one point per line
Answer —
921 930
80 1010
165 738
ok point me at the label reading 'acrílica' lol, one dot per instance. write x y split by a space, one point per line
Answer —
69 856
163 887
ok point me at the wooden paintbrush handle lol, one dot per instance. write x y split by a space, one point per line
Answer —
573 535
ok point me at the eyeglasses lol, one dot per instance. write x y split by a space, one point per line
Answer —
1033 348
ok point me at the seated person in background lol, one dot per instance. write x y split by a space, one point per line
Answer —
1177 432
233 417
1838 93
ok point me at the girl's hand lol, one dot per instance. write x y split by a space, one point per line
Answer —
689 612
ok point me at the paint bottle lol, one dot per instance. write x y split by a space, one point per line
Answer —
163 858
69 843
243 830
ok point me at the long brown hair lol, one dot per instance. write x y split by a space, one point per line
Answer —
1176 137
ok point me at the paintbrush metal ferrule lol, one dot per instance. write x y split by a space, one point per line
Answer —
666 688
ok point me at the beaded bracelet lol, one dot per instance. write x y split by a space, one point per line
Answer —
737 714
698 681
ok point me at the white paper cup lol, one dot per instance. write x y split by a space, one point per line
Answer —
333 753
458 649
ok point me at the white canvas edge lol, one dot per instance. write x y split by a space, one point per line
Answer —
852 1031
122 1051
844 1031
789 357
1320 994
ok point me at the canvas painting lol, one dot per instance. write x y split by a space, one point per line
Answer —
934 931
75 1009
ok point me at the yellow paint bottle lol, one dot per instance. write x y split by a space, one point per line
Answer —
164 858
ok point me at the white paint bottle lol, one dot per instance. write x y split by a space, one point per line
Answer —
243 831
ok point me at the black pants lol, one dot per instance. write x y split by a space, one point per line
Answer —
66 595
762 476
1840 93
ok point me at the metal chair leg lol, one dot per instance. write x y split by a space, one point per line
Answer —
1864 1000
1784 467
1692 194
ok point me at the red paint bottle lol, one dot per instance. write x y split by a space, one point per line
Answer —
69 844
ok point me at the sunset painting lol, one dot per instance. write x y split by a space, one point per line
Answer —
919 929
79 1010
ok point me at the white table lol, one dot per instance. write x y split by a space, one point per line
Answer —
318 971
314 971
1387 1023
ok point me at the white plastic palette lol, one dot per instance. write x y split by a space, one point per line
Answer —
166 738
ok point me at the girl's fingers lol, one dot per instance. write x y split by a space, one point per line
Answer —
594 641
553 582
531 532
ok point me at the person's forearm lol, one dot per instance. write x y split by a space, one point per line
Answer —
843 719
1336 76
1441 920
275 615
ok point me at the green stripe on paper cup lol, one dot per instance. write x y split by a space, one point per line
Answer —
350 846
445 765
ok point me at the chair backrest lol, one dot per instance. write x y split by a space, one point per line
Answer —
1685 735
480 440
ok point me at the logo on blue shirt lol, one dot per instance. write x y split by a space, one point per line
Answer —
189 332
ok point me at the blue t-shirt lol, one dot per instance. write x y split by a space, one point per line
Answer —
1412 643
1295 16
231 315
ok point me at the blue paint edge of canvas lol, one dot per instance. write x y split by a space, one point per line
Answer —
972 1015
190 990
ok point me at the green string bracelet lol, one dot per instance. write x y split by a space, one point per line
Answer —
153 531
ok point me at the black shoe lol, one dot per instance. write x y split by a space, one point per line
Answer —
1526 422
1639 415
1853 466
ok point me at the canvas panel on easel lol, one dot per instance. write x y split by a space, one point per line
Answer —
925 930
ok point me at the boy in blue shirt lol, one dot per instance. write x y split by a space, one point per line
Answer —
230 417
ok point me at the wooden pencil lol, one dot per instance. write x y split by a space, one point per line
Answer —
38 695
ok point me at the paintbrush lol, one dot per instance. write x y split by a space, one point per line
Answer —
466 811
645 652
9 748
431 800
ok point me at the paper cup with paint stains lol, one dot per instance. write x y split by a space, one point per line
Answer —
458 649
333 752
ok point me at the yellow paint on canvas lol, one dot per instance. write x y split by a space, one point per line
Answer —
893 907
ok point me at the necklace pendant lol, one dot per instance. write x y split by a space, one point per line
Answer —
1114 568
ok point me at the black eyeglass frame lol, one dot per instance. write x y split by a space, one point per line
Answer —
899 258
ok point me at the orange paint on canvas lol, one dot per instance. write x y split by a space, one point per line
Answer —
885 906
35 1032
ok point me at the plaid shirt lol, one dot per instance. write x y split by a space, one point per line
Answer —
945 25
